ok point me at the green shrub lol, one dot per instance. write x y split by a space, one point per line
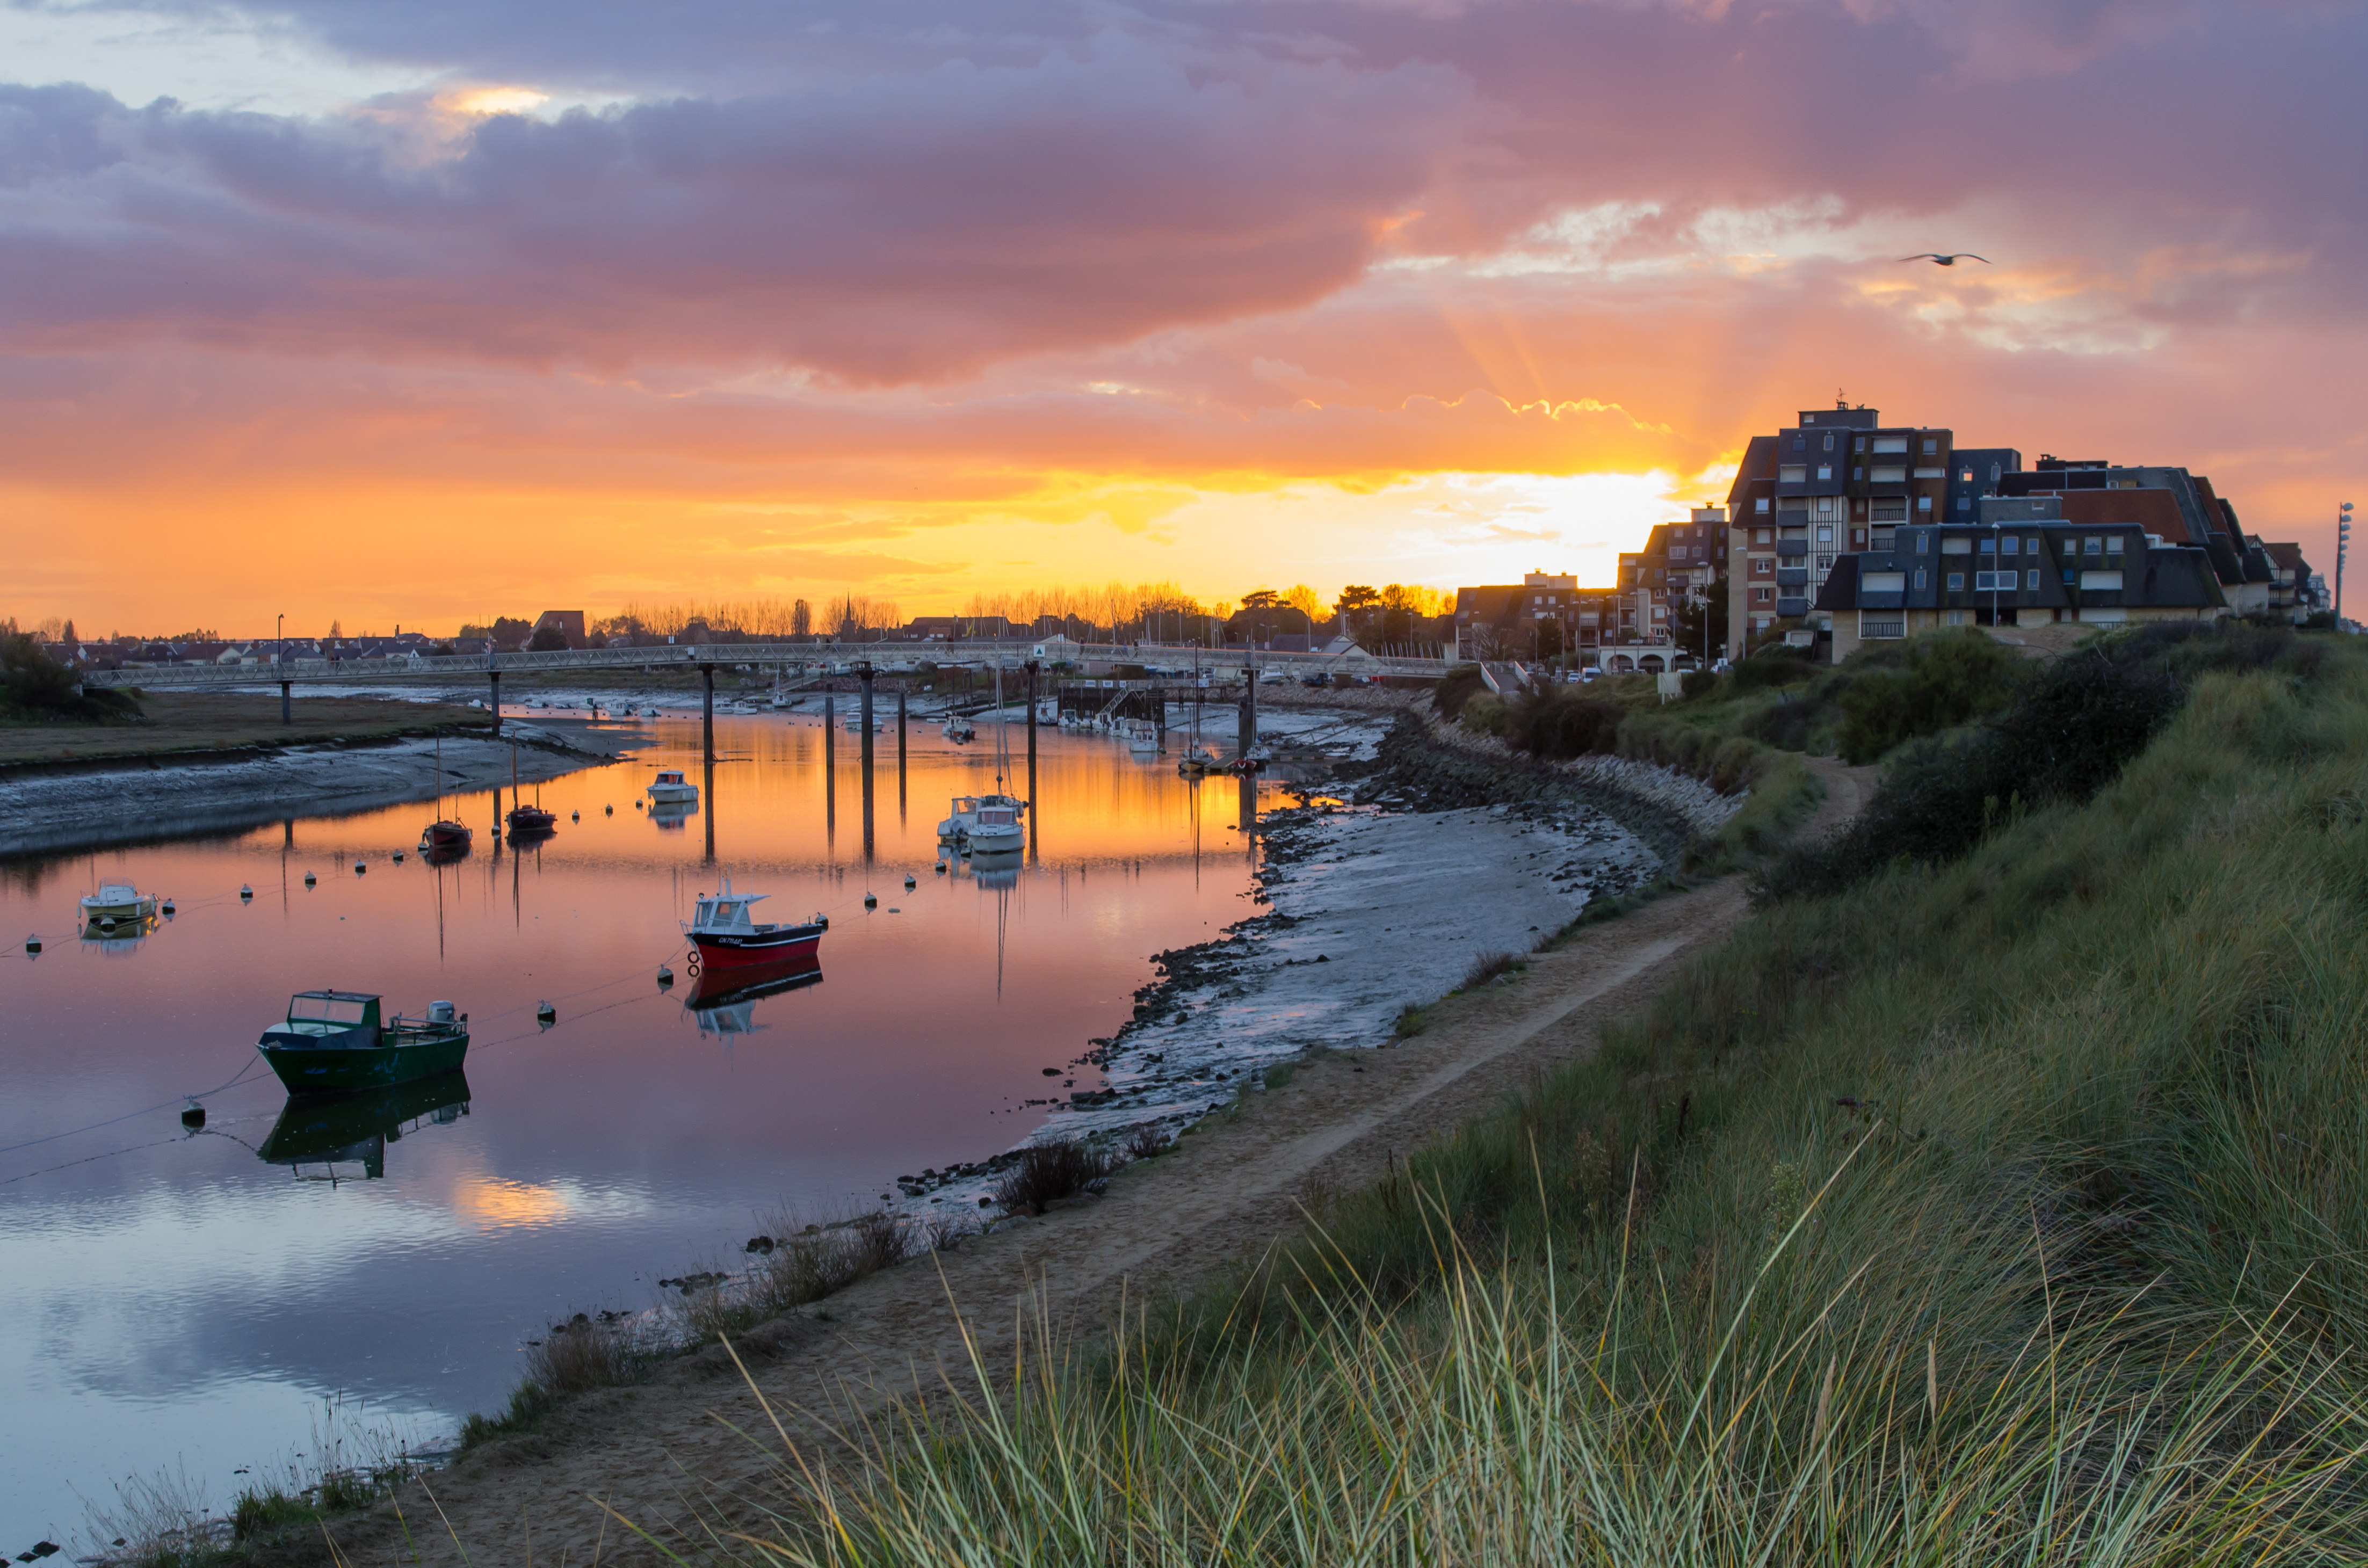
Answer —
1772 667
1944 680
1699 683
2073 729
35 686
1559 725
1485 713
1454 689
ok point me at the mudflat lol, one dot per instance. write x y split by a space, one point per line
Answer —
696 1451
213 721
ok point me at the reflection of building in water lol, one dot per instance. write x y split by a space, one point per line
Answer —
329 1130
724 1005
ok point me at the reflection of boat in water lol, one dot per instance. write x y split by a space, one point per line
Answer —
331 1130
727 935
723 1003
997 869
670 785
334 1042
116 903
672 814
117 937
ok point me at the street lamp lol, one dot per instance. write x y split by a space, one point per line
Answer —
279 636
2343 549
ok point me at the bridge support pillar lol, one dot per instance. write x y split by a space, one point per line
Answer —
285 716
830 766
900 749
494 679
707 720
1031 723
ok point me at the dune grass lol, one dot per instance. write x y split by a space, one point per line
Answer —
2012 1210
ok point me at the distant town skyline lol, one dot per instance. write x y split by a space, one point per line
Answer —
379 314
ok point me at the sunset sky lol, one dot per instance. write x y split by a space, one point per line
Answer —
433 311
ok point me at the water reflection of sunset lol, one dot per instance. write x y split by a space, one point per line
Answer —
491 1204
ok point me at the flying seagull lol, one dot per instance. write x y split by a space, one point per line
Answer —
1937 259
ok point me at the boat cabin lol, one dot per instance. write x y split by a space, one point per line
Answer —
319 1016
727 913
966 805
669 776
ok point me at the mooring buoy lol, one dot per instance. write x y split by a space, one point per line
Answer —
609 811
245 893
360 867
307 878
194 1115
546 1015
665 974
32 946
911 882
165 909
871 900
575 816
941 868
398 857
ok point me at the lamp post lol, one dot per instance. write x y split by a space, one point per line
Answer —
2342 548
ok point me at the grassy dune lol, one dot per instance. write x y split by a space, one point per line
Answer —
2012 1210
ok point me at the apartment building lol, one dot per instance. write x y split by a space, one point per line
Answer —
1543 616
2021 563
1680 561
1838 481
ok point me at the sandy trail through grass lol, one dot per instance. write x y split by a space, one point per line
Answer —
665 1455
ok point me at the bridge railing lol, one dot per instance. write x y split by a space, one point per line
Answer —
837 658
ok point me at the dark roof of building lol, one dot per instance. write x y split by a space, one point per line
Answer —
2168 576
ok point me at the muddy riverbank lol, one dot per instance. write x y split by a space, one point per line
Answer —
63 808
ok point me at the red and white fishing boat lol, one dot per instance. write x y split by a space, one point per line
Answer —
728 936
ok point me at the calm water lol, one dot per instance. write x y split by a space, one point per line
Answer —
180 1300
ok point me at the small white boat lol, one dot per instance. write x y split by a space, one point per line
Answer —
116 903
960 729
649 713
967 810
670 785
996 830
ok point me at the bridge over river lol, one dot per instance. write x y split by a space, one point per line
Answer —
810 661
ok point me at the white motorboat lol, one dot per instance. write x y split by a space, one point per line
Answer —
116 903
967 809
959 730
671 786
649 713
996 830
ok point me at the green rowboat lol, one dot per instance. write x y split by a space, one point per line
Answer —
336 1042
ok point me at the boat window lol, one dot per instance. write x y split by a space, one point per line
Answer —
726 913
995 819
327 1009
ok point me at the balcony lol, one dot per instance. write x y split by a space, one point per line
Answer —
1791 576
1895 598
1798 547
1873 630
1795 606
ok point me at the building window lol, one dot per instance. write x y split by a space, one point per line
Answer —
2091 545
1994 473
1923 503
1824 472
1766 535
1920 579
1989 546
1964 503
1923 544
1956 617
1965 476
1792 473
1829 443
1763 596
1799 443
1956 582
1760 505
1930 446
2071 575
2007 545
2034 582
1857 536
1825 536
2112 544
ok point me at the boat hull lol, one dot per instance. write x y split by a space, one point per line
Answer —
996 840
762 948
672 792
351 1069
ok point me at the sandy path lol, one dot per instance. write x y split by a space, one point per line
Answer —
658 1454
